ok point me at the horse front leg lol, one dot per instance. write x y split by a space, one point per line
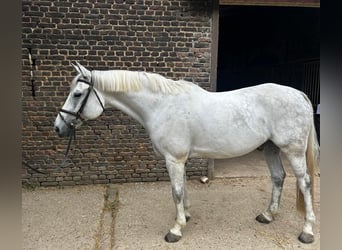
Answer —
176 171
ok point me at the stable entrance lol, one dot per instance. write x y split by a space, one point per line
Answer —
258 44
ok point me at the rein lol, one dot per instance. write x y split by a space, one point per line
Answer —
72 136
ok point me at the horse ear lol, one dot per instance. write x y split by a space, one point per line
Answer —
76 68
83 71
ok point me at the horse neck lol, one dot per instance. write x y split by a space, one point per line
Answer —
137 94
140 105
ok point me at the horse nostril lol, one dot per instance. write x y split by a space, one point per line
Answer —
57 129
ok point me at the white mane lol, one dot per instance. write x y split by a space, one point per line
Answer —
129 81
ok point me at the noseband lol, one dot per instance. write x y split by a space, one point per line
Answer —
77 114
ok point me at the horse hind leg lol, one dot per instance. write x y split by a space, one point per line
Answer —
272 157
304 182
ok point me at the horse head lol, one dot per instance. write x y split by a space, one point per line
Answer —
83 103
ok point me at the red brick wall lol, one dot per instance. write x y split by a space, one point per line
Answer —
172 38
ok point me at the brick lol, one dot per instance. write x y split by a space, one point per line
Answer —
55 14
48 184
101 181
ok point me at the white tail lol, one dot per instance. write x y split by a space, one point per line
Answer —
312 153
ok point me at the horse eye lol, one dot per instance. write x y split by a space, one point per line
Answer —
77 94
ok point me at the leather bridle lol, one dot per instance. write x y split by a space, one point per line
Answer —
77 115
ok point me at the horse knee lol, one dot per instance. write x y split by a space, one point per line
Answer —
278 180
305 182
177 194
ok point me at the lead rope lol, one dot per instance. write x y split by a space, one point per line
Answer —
72 136
34 169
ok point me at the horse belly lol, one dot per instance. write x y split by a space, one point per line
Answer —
227 141
228 149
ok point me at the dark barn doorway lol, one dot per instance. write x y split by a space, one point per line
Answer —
269 44
259 44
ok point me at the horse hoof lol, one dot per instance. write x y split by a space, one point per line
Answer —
171 238
306 238
187 218
262 219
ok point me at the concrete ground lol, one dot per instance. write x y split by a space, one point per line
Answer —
138 215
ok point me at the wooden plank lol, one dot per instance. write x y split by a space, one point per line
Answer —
287 3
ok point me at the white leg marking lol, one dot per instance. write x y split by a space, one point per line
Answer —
268 215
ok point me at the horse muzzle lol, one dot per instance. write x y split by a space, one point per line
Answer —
63 131
66 128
